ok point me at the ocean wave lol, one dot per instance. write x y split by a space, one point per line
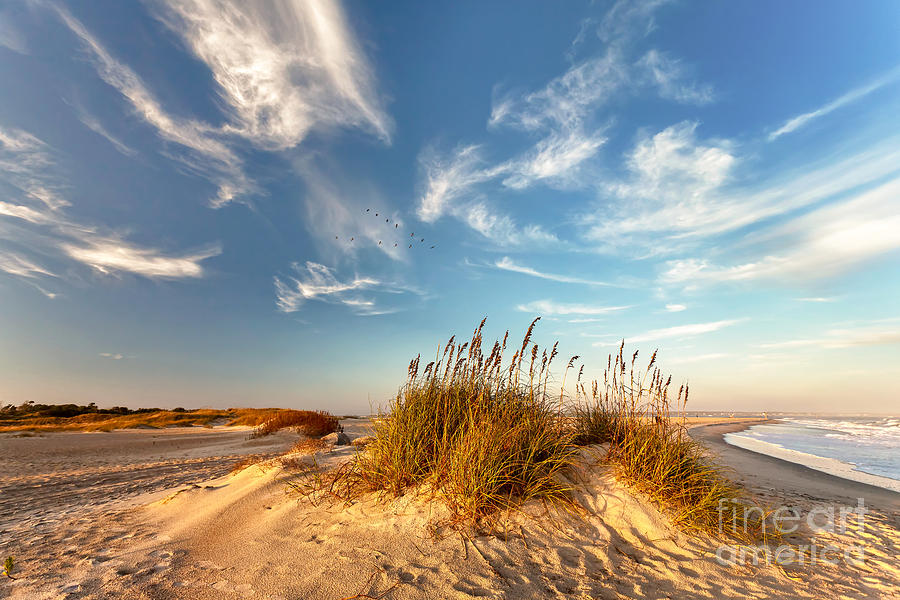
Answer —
865 449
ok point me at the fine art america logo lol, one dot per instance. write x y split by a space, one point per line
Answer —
743 520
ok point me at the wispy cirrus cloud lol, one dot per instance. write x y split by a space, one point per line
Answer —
680 190
502 229
668 75
449 184
675 307
208 153
283 68
10 36
819 244
564 115
315 281
18 265
553 308
507 264
629 19
448 179
97 127
872 334
42 224
671 177
111 255
678 331
853 95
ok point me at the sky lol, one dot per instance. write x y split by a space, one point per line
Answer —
189 189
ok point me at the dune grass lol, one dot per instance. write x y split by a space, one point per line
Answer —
308 422
486 435
101 421
483 435
650 448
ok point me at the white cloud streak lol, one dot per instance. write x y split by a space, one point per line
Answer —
110 255
97 127
447 184
222 164
679 331
507 264
822 243
18 265
681 189
675 307
315 281
448 180
10 37
668 75
838 338
552 308
283 67
501 229
563 116
282 70
799 121
25 162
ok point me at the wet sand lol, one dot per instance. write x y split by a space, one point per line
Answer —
773 477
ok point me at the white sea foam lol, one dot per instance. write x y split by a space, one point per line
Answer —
864 449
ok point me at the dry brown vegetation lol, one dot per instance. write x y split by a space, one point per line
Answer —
308 446
308 422
250 417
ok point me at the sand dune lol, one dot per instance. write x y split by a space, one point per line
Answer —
246 536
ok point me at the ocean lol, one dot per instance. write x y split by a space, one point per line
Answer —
864 449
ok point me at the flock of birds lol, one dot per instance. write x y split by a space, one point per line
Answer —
396 230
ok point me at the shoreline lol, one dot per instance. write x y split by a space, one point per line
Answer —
244 534
776 476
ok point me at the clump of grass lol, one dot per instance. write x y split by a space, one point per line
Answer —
485 435
650 448
308 446
8 566
307 422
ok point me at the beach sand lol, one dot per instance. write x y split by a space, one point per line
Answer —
245 536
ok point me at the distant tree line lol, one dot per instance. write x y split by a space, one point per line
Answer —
30 409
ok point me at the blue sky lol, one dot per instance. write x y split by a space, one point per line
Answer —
180 183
